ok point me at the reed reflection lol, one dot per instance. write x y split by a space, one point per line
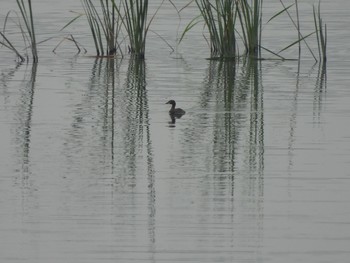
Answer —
227 143
91 136
135 142
112 119
25 115
319 91
235 93
6 77
134 118
293 119
239 143
110 144
111 136
320 87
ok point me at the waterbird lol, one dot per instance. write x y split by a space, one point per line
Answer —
176 112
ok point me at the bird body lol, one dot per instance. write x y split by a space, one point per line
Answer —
177 112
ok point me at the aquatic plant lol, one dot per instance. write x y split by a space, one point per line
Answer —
134 17
104 24
27 15
27 31
220 19
135 22
250 16
229 21
321 33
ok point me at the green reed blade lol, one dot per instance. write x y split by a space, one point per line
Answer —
295 42
104 25
71 22
219 18
27 16
280 12
321 35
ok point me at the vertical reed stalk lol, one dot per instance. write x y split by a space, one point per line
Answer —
298 28
27 15
321 33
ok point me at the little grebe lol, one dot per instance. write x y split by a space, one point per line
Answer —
176 112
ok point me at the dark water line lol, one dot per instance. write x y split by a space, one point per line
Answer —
261 131
151 183
136 90
257 124
292 120
27 111
320 89
112 114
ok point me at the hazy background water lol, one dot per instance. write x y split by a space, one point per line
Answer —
92 169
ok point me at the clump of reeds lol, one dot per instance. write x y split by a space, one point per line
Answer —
250 16
134 15
27 15
220 19
321 33
134 18
104 24
223 17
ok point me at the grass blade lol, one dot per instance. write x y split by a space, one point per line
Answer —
295 42
27 16
280 12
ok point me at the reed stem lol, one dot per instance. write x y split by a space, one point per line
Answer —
250 17
220 19
27 16
104 26
321 33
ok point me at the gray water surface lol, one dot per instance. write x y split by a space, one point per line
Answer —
93 169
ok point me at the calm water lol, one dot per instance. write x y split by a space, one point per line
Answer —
92 169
